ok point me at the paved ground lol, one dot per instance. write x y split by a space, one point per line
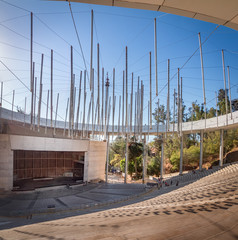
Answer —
206 208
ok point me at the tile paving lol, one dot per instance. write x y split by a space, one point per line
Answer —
203 206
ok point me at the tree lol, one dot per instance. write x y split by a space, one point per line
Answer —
159 114
135 152
211 113
222 102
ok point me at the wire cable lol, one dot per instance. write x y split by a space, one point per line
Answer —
78 40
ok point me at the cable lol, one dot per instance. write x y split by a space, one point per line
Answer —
14 18
14 74
15 6
78 40
47 26
97 39
22 82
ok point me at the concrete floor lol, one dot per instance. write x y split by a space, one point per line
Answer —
203 209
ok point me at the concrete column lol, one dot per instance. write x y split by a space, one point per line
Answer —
181 156
201 151
162 159
86 165
144 160
126 160
221 148
107 159
6 163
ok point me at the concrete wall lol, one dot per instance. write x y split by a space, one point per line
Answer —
6 163
95 166
95 154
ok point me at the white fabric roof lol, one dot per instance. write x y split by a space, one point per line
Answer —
224 12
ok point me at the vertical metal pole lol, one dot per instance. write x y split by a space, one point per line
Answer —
95 117
89 114
221 148
106 106
178 104
181 107
31 55
56 112
108 137
113 102
13 96
35 103
108 116
102 98
156 65
168 97
174 111
1 94
158 119
216 108
47 107
142 104
84 102
66 116
135 118
126 125
119 119
203 81
150 107
91 58
32 94
51 90
25 112
224 75
79 99
98 71
229 85
201 150
138 105
123 103
40 95
74 97
148 121
144 161
92 102
131 109
71 120
162 158
126 160
107 159
181 156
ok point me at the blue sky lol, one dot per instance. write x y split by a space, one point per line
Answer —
114 29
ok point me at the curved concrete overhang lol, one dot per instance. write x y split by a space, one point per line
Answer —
13 122
222 12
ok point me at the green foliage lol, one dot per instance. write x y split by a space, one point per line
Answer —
131 166
175 158
122 165
116 160
172 145
231 136
191 156
118 146
159 113
153 166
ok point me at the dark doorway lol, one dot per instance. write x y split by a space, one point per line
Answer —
45 168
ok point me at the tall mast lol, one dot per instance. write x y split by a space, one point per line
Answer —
91 58
156 66
203 81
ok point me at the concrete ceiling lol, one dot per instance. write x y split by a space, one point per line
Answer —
223 12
